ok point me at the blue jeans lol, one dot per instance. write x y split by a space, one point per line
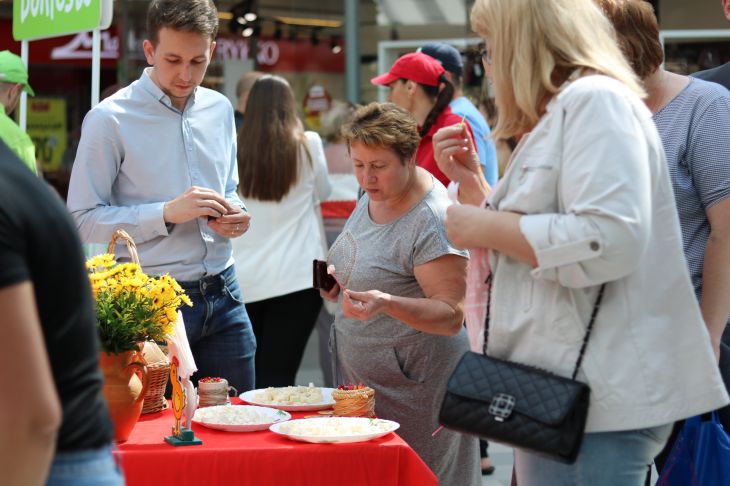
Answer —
605 459
219 330
93 467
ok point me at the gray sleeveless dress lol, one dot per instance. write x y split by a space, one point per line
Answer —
407 368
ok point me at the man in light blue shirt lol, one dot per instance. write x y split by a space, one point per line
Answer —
158 159
450 59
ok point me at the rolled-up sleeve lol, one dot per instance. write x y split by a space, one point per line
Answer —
604 190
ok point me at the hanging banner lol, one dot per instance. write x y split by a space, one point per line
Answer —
39 19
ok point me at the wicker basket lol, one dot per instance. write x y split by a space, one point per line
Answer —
158 366
158 372
120 234
354 403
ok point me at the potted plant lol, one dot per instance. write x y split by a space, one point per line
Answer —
131 307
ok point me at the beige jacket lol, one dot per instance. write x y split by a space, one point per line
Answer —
592 181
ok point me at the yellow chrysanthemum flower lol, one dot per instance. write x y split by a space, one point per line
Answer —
171 314
123 290
104 260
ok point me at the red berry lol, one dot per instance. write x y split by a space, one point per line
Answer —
210 379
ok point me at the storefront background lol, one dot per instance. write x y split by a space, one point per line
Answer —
307 49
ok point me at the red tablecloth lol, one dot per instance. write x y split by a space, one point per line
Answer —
264 459
337 209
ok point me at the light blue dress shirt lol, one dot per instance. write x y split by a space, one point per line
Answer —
485 146
137 152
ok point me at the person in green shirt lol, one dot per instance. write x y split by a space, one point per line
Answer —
13 80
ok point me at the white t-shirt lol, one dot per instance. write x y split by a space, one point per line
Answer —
274 257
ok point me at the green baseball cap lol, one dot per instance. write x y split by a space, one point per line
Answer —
12 70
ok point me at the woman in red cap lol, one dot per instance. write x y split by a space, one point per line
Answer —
418 85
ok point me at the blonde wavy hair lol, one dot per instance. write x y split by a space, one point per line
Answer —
535 46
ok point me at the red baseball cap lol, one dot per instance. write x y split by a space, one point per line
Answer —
415 66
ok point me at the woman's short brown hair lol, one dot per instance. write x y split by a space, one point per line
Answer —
637 32
384 125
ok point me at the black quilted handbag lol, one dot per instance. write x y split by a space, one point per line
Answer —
519 405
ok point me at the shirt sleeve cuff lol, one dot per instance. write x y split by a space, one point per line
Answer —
551 256
236 201
152 221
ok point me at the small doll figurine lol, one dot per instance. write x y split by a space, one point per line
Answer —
178 396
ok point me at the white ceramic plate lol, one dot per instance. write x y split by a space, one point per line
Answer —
211 417
327 402
335 430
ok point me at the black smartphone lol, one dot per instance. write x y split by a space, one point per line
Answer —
320 278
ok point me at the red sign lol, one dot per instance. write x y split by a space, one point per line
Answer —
298 55
67 49
273 55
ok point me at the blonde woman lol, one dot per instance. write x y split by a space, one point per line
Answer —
585 200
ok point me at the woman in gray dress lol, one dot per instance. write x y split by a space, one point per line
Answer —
398 328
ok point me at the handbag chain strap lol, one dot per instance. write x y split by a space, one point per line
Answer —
587 335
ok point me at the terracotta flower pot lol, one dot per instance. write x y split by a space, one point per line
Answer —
125 383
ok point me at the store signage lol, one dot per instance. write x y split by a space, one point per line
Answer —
66 50
230 48
39 19
281 55
47 129
316 101
79 47
272 55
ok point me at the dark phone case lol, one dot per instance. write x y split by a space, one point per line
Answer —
320 278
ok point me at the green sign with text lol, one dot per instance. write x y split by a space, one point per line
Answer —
38 19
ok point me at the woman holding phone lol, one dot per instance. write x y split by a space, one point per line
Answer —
399 325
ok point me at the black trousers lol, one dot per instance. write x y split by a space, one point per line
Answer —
282 326
483 445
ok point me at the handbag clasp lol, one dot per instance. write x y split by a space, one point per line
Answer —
502 406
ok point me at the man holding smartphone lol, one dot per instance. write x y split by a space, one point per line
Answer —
158 159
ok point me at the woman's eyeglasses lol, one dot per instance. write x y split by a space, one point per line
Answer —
485 53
